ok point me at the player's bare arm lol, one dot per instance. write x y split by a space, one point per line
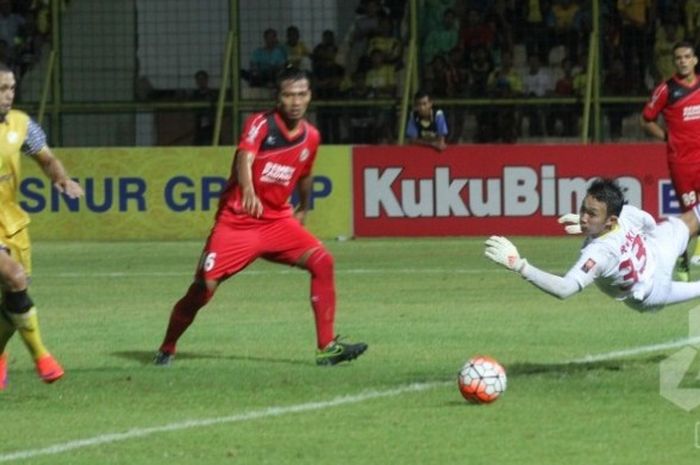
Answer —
653 128
54 170
244 173
304 188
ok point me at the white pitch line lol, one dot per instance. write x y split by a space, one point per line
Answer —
137 433
243 417
639 350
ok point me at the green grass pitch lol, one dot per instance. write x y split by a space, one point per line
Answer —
244 388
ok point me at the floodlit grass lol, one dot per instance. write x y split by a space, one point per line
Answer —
424 307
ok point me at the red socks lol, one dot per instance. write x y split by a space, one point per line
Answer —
183 314
320 265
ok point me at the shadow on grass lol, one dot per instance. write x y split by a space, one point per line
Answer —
146 357
570 368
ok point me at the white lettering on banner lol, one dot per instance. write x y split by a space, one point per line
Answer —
521 191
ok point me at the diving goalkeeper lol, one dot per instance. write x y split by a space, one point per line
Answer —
625 252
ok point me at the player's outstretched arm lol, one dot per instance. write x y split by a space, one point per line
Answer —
244 172
54 170
502 251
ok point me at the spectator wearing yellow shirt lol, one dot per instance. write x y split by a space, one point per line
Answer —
386 42
297 51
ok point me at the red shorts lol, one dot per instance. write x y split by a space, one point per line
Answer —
686 183
233 245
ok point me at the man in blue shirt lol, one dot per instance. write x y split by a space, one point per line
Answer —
426 125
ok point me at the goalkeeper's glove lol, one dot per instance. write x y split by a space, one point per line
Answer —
571 222
502 251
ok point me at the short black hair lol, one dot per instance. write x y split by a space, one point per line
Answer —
609 192
684 44
291 73
421 93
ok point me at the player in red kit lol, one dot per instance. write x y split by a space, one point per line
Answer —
255 220
678 100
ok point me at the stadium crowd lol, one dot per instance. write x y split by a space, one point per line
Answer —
486 48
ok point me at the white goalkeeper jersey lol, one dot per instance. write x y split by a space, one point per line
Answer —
621 262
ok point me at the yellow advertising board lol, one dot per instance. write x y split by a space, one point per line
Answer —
163 193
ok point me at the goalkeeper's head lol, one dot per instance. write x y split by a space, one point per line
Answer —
601 207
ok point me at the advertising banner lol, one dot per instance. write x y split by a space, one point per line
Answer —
496 189
163 193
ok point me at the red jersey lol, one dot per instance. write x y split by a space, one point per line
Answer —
280 160
680 105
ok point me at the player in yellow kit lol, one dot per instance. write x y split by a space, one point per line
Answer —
21 136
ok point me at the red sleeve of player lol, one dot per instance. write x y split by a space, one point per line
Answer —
313 143
656 103
254 132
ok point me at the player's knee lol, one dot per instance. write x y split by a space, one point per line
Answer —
203 290
320 263
13 277
18 302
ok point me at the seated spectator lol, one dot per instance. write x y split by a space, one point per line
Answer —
441 40
537 82
504 82
561 25
297 52
386 42
475 33
204 118
362 121
267 61
668 33
616 83
362 30
381 79
426 125
327 79
10 25
562 120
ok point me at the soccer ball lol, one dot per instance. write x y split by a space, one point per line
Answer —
482 380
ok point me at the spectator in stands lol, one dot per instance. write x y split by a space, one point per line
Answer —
480 68
204 118
267 61
637 21
328 76
668 33
10 25
692 18
381 79
441 40
475 33
426 126
616 84
537 82
297 51
562 120
561 25
536 41
505 82
29 45
386 42
363 28
362 121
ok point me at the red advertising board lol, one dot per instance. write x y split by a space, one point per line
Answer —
496 189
